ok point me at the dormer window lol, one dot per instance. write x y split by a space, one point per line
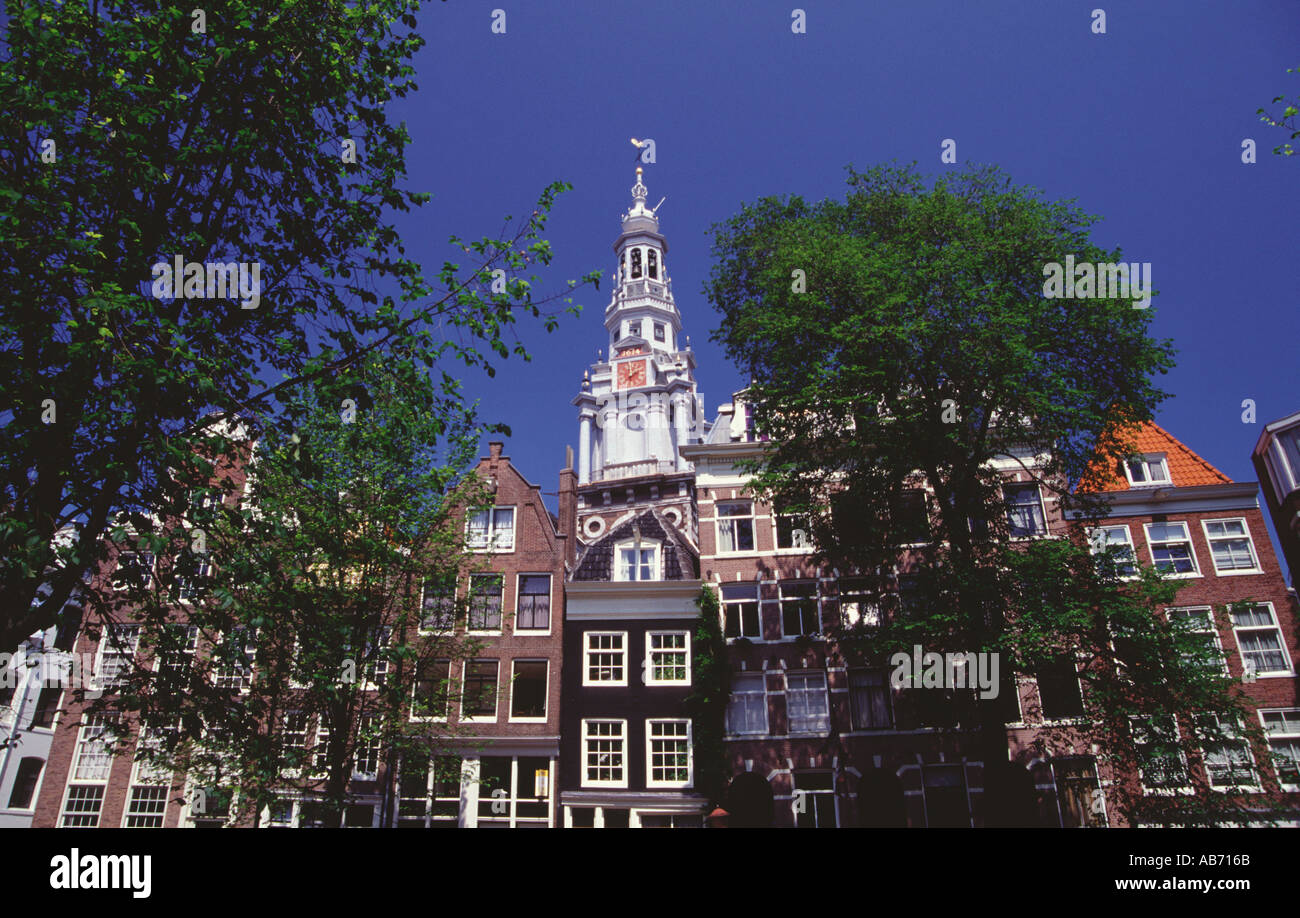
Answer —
653 258
636 263
1151 469
637 560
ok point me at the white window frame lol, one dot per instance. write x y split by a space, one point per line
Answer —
1042 507
587 651
1107 542
1276 628
1147 481
1191 549
622 739
863 611
620 574
250 654
731 522
651 651
491 542
92 788
375 672
91 741
884 686
188 652
496 693
1098 791
761 695
1136 724
824 694
424 587
650 725
141 780
134 553
1211 628
806 797
1289 736
318 759
448 688
817 604
501 607
546 691
431 798
306 758
1241 742
806 529
550 596
187 584
1250 547
726 604
372 748
109 641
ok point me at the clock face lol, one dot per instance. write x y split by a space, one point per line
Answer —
631 374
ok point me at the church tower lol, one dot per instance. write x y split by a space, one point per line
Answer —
630 595
639 406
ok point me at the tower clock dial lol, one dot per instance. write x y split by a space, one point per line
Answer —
631 374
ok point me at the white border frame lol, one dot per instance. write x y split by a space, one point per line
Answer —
1191 550
648 663
584 781
1250 544
586 658
690 753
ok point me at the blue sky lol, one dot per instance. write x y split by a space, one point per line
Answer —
1142 126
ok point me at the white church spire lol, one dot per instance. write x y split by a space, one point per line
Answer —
640 405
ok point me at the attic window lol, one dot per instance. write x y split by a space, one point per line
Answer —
1150 469
637 560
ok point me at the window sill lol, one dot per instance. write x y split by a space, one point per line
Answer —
1237 573
1168 791
603 684
527 720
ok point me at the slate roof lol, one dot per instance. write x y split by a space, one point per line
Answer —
678 561
1186 469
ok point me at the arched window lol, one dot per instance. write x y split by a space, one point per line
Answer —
653 261
636 263
622 266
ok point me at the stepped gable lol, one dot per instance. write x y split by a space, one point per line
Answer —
679 561
1186 468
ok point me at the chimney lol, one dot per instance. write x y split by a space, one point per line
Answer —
569 507
494 449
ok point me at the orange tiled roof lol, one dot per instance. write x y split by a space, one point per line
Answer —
1186 469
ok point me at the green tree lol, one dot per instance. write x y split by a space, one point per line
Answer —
1286 119
905 356
305 613
137 132
707 702
1142 674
